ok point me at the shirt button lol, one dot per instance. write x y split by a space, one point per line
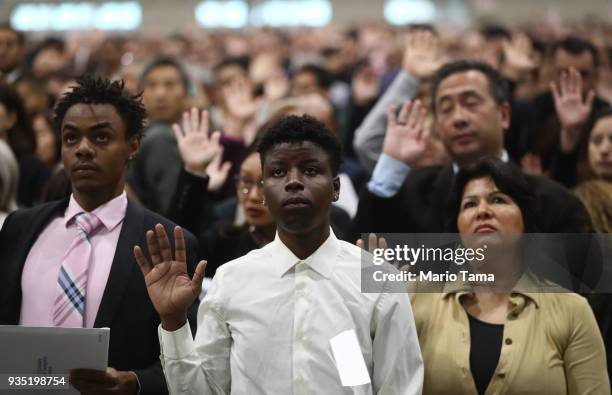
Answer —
508 341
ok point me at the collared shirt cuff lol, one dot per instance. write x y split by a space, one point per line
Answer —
177 344
388 176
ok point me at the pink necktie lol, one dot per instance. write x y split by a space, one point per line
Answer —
69 306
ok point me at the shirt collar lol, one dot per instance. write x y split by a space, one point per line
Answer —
110 213
322 260
527 287
504 158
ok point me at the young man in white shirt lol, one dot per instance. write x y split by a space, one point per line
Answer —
266 323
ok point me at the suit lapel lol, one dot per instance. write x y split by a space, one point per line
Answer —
123 264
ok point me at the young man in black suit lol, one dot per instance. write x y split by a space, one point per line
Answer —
100 127
471 112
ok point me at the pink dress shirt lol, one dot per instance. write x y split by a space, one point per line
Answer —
39 277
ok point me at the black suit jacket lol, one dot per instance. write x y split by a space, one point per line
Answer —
125 308
422 206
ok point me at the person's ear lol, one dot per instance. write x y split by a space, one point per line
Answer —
134 145
336 186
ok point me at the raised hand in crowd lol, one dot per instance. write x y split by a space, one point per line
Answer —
217 171
518 57
170 288
241 108
422 54
373 243
197 149
572 108
407 138
239 100
276 86
365 85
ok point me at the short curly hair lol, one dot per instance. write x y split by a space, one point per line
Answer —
91 90
297 129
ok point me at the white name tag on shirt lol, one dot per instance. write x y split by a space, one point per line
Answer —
349 360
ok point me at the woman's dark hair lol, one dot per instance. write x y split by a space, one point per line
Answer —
584 171
20 137
508 178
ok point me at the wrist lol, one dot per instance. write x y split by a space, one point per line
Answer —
512 73
405 160
569 139
199 170
173 322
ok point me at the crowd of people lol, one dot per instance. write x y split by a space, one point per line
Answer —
276 150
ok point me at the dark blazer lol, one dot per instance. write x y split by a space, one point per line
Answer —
422 206
125 308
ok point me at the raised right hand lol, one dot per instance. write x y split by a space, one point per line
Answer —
422 54
197 149
217 172
373 243
406 138
168 283
572 109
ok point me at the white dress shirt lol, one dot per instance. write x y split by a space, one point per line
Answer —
265 325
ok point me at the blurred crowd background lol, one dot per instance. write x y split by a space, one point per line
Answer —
248 63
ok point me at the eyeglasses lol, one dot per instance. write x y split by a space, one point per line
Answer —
246 184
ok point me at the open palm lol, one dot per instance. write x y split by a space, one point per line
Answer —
572 109
170 288
239 99
422 54
197 149
406 138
